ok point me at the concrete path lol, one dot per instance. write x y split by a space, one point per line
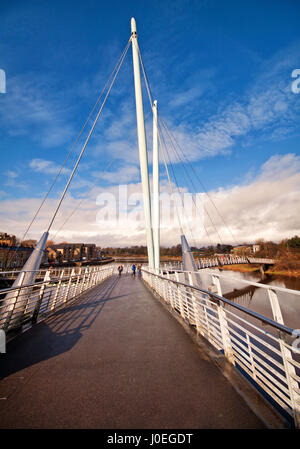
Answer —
113 359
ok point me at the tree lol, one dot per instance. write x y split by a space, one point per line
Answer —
294 242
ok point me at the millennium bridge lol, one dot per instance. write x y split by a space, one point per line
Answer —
85 347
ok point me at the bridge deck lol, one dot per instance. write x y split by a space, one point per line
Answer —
115 358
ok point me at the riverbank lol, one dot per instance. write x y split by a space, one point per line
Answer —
249 268
289 273
243 267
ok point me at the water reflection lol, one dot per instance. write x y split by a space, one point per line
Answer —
256 298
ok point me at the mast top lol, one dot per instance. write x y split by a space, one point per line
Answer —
133 27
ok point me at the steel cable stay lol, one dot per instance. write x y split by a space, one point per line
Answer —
88 137
151 104
205 191
161 146
169 179
198 178
181 198
86 195
9 260
189 182
206 231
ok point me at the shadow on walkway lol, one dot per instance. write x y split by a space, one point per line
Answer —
59 332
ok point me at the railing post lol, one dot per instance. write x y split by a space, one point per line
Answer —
286 353
69 285
224 324
88 279
10 313
195 308
40 297
179 296
77 281
82 282
57 290
251 356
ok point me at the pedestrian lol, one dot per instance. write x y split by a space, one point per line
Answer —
120 269
133 269
139 268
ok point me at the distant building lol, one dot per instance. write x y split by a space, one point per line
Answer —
72 252
242 250
29 243
16 256
7 240
255 248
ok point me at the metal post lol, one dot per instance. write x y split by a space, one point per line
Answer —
180 296
57 290
142 142
287 355
40 297
69 285
156 206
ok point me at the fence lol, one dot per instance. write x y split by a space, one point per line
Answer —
260 347
26 303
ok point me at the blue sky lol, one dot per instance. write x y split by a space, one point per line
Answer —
221 72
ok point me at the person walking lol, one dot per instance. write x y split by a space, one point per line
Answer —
120 269
133 270
139 268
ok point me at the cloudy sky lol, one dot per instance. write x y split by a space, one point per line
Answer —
222 75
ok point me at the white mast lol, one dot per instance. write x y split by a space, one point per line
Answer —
156 208
142 142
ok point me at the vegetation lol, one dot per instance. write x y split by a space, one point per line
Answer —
286 253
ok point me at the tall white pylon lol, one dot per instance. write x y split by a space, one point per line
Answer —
142 143
156 206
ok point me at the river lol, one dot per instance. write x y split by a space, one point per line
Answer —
257 299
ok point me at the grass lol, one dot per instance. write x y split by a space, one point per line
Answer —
243 267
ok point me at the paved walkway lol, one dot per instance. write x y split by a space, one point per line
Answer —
115 359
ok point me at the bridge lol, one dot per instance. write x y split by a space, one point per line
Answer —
111 347
217 261
85 347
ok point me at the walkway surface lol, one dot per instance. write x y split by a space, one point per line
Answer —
115 358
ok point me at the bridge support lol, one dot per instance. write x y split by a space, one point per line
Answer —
25 277
189 263
142 143
156 206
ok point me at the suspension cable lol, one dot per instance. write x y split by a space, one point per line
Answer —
87 139
9 261
151 104
190 181
198 178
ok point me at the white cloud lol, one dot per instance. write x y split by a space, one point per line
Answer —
267 207
122 175
47 167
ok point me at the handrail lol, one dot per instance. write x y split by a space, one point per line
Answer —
256 284
53 281
217 298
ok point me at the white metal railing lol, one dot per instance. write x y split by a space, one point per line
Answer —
19 305
262 347
209 262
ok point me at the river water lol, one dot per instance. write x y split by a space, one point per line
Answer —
255 298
